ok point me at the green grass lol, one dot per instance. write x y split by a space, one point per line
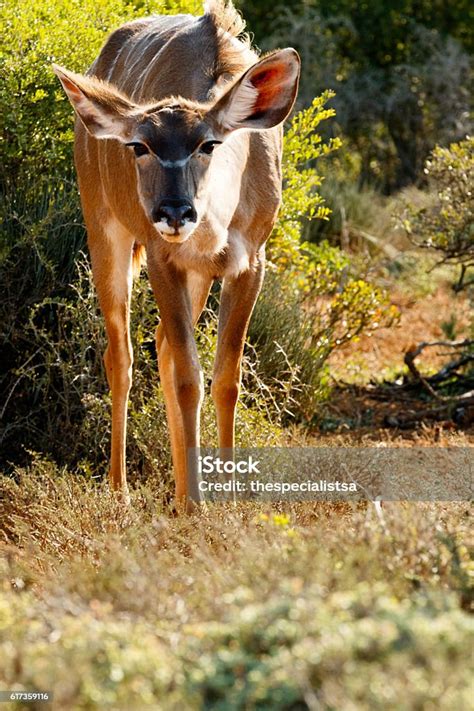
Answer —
305 607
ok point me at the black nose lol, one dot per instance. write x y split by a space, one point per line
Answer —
174 212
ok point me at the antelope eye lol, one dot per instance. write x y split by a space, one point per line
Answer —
208 146
139 149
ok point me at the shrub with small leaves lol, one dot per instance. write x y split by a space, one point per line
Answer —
446 222
303 145
36 130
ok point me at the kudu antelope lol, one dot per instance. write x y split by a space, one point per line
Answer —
190 173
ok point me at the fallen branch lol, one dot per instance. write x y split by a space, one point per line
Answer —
460 412
415 351
451 369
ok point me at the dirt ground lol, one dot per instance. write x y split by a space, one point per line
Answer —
361 410
421 319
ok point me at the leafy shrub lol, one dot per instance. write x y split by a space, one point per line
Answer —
314 300
446 223
295 328
401 77
302 201
269 656
57 397
273 653
360 217
36 130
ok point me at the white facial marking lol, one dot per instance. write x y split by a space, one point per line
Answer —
162 161
173 163
171 235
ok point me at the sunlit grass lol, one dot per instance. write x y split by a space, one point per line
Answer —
232 608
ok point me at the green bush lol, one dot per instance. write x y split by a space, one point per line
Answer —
36 130
273 653
132 609
445 223
302 201
401 72
295 328
314 299
361 647
271 656
57 395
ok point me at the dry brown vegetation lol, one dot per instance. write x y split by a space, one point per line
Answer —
305 606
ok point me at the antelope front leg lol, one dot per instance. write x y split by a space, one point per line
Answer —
238 298
198 290
179 368
112 267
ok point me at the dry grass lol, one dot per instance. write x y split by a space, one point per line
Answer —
305 606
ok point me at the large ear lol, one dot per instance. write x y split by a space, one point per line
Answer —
264 96
104 111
